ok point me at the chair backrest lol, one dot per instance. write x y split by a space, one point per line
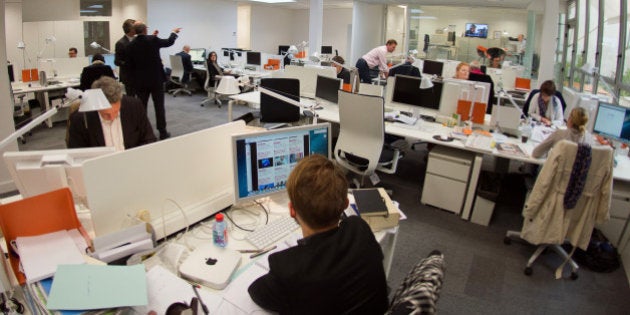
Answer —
371 89
275 110
41 214
362 129
420 291
177 67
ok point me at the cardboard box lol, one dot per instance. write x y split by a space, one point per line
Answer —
390 220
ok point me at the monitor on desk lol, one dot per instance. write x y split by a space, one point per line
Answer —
327 50
328 88
432 67
612 121
276 110
253 58
38 172
197 55
263 161
407 91
109 60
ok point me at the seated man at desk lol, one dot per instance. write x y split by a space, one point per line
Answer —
407 68
125 125
342 73
337 268
95 71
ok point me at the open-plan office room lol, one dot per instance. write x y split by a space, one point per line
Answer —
482 274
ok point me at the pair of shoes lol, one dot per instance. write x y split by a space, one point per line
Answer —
164 135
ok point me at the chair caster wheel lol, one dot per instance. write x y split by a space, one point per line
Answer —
507 241
574 276
528 271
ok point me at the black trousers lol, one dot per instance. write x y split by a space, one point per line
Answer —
157 95
364 71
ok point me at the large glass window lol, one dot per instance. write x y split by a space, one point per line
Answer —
593 23
610 42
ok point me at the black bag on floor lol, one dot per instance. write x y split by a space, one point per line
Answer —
600 256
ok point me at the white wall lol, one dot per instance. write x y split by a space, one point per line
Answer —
335 32
244 29
367 29
271 27
209 24
6 108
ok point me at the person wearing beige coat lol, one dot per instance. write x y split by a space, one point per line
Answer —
546 219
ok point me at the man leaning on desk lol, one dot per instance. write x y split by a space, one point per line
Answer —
337 268
125 125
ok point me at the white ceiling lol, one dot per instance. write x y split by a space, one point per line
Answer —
512 4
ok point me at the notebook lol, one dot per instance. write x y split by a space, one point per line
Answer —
369 202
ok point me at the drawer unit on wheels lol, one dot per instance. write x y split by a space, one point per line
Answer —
619 213
446 180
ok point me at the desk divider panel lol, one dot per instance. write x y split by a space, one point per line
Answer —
195 170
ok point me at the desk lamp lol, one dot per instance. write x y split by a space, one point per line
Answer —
426 82
96 45
91 100
21 46
49 39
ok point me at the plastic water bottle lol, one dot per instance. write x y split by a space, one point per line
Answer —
219 231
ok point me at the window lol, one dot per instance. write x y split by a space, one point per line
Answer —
610 42
96 31
96 8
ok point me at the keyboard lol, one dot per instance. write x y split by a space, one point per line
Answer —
269 234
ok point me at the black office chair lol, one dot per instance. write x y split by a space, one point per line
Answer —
485 78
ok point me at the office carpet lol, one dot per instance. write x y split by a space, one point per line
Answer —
483 276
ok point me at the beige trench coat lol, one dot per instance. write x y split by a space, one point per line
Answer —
546 220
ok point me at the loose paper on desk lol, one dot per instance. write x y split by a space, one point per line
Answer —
40 255
87 287
165 288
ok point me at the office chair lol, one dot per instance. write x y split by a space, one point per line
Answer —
211 87
547 223
46 213
178 77
371 89
420 291
360 147
536 91
273 110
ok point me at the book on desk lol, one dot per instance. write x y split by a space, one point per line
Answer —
378 209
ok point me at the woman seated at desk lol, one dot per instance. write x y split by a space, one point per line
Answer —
213 67
546 107
462 71
576 132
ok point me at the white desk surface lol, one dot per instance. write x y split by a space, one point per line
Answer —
32 87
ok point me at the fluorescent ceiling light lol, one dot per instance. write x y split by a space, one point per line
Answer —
428 17
96 6
416 11
402 6
274 1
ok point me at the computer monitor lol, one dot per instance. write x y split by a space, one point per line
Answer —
109 60
282 49
327 50
38 172
328 88
197 55
432 67
612 121
407 91
253 58
263 161
276 110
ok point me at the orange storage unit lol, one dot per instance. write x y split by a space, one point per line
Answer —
272 64
523 83
41 214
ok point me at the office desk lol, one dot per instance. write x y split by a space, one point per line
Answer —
41 92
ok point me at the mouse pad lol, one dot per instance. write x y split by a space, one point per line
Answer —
210 266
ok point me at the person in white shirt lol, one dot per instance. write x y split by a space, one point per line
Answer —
375 57
545 106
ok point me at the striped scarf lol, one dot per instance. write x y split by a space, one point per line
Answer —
578 176
542 107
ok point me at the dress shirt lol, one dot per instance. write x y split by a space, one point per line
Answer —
112 132
376 57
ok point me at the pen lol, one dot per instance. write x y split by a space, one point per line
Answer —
264 251
249 251
203 306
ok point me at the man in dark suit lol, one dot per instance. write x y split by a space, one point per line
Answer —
186 62
337 268
95 71
147 71
405 69
120 61
124 126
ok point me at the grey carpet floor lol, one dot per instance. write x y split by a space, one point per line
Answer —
483 276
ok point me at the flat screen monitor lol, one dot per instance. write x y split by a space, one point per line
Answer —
476 30
407 91
38 172
197 55
109 60
253 58
327 50
432 67
275 110
263 161
328 88
612 121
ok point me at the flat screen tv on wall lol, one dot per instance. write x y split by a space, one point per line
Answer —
476 30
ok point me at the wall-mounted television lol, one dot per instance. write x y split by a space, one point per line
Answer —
476 30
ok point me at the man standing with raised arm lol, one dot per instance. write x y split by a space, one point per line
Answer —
147 70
